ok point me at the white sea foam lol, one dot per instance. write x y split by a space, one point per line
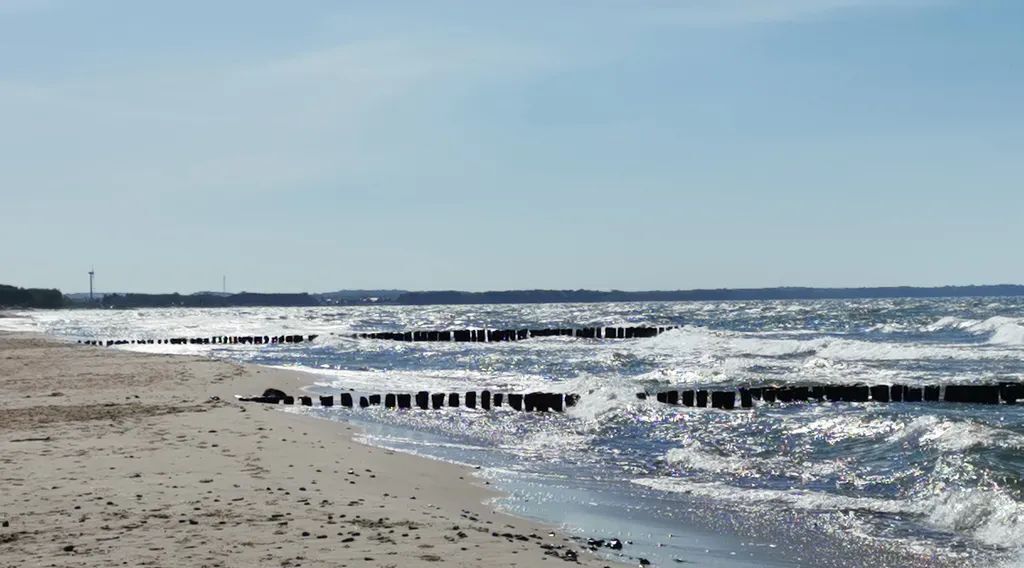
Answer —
794 498
988 515
956 435
381 380
949 322
837 427
888 327
1008 334
689 340
695 457
1002 330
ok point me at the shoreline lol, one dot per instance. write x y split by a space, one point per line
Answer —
115 457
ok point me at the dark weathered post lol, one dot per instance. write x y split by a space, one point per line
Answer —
702 398
688 396
725 400
515 401
746 400
880 393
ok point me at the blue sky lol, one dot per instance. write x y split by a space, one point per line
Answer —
493 145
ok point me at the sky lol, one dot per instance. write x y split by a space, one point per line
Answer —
443 144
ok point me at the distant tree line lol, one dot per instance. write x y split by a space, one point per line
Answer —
719 295
244 299
14 297
11 296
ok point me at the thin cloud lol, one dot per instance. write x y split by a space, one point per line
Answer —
748 12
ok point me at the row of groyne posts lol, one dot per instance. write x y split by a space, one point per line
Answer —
1005 393
424 400
499 335
214 340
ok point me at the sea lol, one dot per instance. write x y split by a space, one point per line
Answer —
798 484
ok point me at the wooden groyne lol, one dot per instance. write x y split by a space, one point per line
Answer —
500 335
999 393
212 340
723 399
425 400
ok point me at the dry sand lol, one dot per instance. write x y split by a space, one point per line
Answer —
111 458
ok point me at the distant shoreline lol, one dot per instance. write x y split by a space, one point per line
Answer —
457 297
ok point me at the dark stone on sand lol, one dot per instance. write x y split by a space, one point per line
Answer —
485 400
327 400
470 400
269 396
346 399
390 401
437 400
404 401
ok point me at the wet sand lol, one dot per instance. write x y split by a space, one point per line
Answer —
113 458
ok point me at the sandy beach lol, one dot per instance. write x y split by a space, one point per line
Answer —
113 458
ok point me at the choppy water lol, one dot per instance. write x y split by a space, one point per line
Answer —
820 484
